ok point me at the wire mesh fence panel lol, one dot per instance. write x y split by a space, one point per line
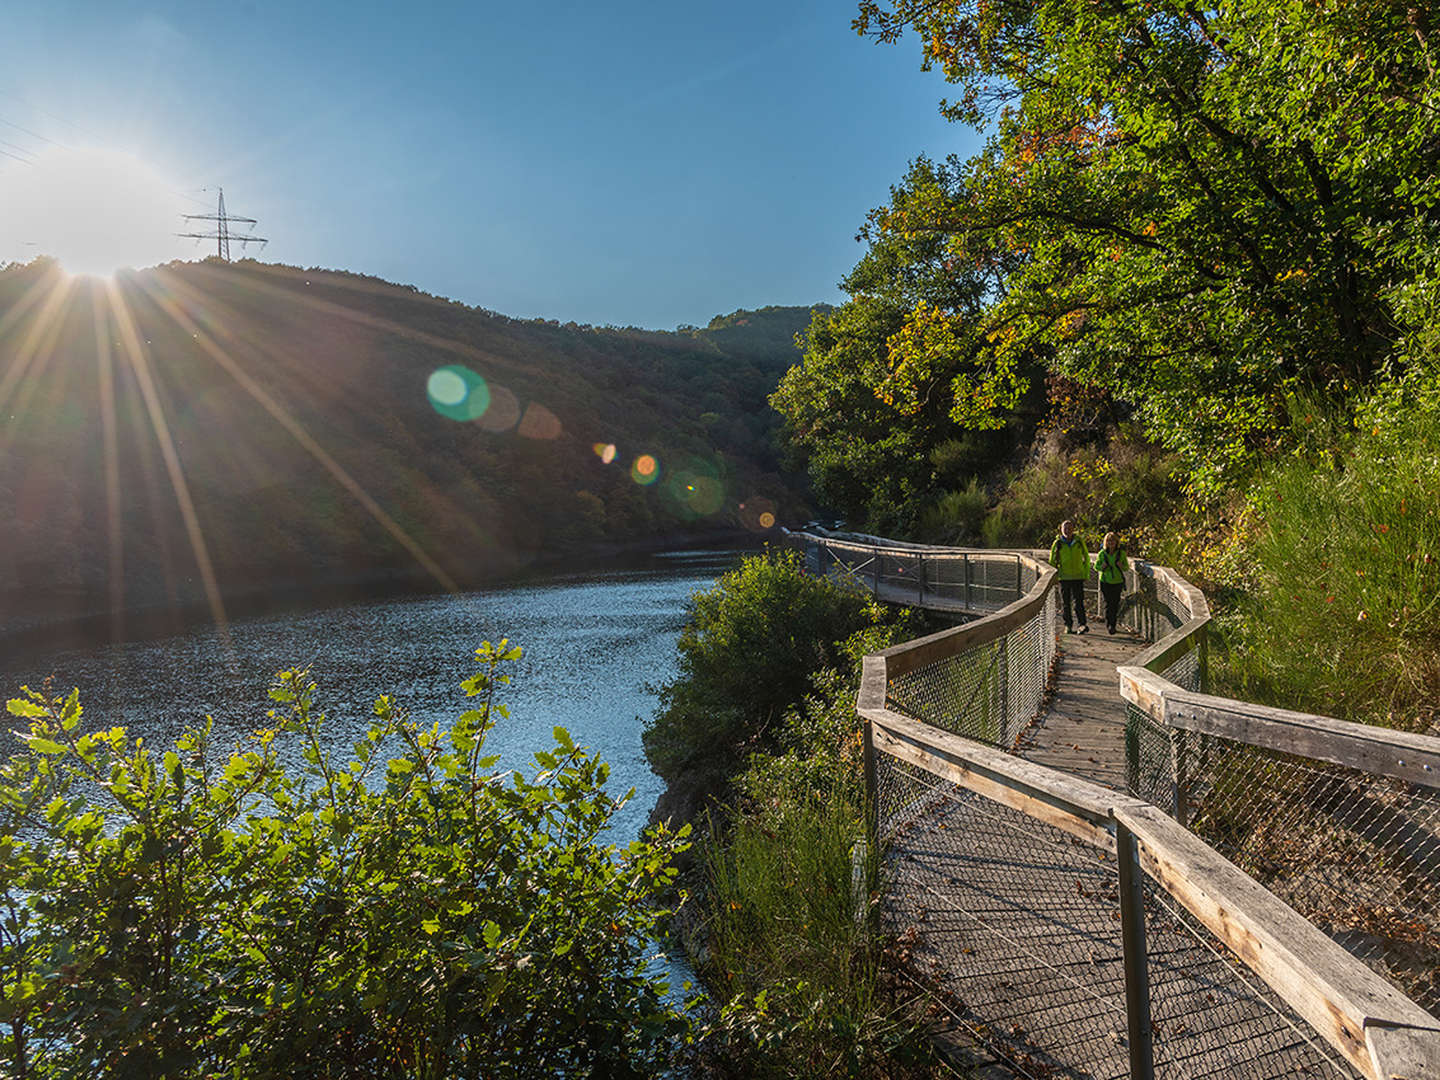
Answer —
1184 670
1030 651
1149 759
845 564
997 581
1015 926
900 575
963 694
1212 1017
947 578
989 692
1356 854
1011 922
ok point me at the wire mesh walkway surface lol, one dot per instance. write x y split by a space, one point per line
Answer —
970 879
1056 813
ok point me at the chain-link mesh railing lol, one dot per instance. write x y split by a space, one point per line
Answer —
947 579
1211 1016
989 691
1149 754
1023 926
1015 926
1356 854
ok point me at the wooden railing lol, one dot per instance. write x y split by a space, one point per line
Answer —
932 705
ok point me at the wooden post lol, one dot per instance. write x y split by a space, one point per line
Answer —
872 824
875 557
920 581
1137 973
969 604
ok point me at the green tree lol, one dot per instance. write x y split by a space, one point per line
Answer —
410 911
1200 209
901 369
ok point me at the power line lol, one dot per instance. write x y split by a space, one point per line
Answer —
222 234
24 150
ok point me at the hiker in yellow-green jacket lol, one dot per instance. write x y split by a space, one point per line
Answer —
1110 565
1069 555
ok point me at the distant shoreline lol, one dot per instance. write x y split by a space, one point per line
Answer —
83 621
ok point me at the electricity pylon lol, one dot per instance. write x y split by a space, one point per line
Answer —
222 235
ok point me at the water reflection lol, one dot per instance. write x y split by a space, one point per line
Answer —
592 641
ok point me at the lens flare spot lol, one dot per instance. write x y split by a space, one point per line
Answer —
457 393
447 388
757 513
645 471
504 411
605 452
539 423
696 486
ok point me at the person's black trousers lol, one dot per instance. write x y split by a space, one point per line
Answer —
1073 593
1111 592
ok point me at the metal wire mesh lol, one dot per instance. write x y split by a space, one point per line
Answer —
1149 764
1015 926
1211 1016
988 692
1356 854
1010 921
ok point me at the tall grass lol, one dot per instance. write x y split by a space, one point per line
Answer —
1342 614
793 949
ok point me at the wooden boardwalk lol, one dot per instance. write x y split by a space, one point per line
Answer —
1014 926
1083 730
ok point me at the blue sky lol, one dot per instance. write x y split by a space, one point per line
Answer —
631 163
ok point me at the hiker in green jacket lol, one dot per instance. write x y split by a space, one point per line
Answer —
1069 555
1111 565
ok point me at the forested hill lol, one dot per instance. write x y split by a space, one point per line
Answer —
267 427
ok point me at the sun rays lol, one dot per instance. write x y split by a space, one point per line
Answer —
196 436
37 364
297 430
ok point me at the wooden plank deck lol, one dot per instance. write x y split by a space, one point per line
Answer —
1083 730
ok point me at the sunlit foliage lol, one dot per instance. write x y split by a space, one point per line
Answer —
1201 210
412 910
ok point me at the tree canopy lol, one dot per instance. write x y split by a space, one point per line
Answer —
1204 210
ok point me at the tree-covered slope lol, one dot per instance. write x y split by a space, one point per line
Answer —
230 428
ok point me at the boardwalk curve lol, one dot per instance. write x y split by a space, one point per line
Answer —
1065 909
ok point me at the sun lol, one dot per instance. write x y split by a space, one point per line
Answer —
96 211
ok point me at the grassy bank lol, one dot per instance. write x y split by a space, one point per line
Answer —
762 720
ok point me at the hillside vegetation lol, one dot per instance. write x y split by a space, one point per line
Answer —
233 428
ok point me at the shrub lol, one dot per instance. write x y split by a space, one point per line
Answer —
794 954
747 653
1120 486
410 911
956 518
